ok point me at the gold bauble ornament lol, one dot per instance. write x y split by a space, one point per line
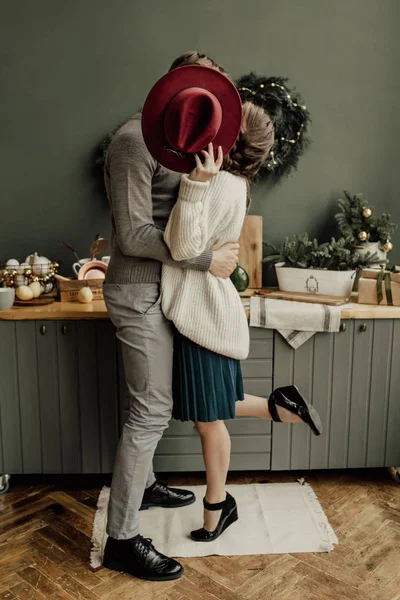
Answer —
367 212
362 236
388 246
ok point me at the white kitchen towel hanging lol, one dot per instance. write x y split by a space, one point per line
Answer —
295 321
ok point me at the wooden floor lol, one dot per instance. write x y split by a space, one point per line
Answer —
45 529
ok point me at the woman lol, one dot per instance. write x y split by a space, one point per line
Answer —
185 110
212 333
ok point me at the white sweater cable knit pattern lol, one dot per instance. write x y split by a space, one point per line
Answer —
206 309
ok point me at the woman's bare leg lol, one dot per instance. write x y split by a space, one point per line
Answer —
216 444
255 406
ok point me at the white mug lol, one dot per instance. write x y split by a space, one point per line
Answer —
7 297
76 266
106 259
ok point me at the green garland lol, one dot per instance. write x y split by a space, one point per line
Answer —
301 252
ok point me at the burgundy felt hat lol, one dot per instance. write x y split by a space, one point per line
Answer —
187 109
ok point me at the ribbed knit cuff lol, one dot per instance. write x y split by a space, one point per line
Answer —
203 262
192 191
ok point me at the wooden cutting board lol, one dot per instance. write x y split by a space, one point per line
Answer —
251 249
299 297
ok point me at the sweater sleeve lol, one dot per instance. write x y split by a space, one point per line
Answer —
187 231
131 168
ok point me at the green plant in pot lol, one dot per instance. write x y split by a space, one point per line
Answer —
305 265
363 230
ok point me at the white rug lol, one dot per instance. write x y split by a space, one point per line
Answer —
274 518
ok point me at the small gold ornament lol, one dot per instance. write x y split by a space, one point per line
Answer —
367 212
388 246
362 236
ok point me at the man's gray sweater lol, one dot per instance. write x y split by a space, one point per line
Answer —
142 194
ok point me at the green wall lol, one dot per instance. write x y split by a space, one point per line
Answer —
71 71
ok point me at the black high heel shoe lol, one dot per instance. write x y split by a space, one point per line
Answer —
290 398
228 516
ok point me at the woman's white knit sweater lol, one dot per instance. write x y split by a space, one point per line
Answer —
206 309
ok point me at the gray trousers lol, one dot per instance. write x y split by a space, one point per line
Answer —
147 349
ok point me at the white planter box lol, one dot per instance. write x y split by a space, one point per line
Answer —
315 281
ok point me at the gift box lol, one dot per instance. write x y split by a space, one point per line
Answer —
70 288
379 287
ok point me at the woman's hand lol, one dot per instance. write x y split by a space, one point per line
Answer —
207 170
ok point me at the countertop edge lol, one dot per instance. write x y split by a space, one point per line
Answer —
97 310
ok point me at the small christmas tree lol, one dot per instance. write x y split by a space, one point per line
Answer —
358 223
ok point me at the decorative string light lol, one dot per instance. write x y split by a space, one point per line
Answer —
273 161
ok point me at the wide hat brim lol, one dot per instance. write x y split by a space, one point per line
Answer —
164 91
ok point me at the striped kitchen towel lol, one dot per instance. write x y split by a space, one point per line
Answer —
295 321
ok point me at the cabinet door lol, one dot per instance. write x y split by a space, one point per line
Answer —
352 380
87 395
180 448
87 392
107 382
11 457
58 397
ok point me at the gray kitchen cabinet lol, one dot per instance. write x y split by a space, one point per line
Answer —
180 448
353 379
58 396
63 400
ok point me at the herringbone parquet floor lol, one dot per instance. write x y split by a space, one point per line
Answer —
45 530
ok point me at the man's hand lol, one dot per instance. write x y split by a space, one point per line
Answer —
224 260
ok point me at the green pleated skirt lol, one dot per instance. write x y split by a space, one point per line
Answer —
206 385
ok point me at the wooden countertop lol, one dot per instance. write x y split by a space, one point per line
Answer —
58 310
97 310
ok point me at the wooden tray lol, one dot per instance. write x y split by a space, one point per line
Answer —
34 302
300 297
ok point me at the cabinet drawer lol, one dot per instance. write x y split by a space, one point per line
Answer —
259 368
261 348
258 387
192 444
257 333
194 462
241 426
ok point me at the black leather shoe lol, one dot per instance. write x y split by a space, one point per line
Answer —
290 398
159 494
228 516
138 557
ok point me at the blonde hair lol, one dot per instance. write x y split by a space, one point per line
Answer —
253 145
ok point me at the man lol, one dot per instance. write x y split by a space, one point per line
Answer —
142 194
